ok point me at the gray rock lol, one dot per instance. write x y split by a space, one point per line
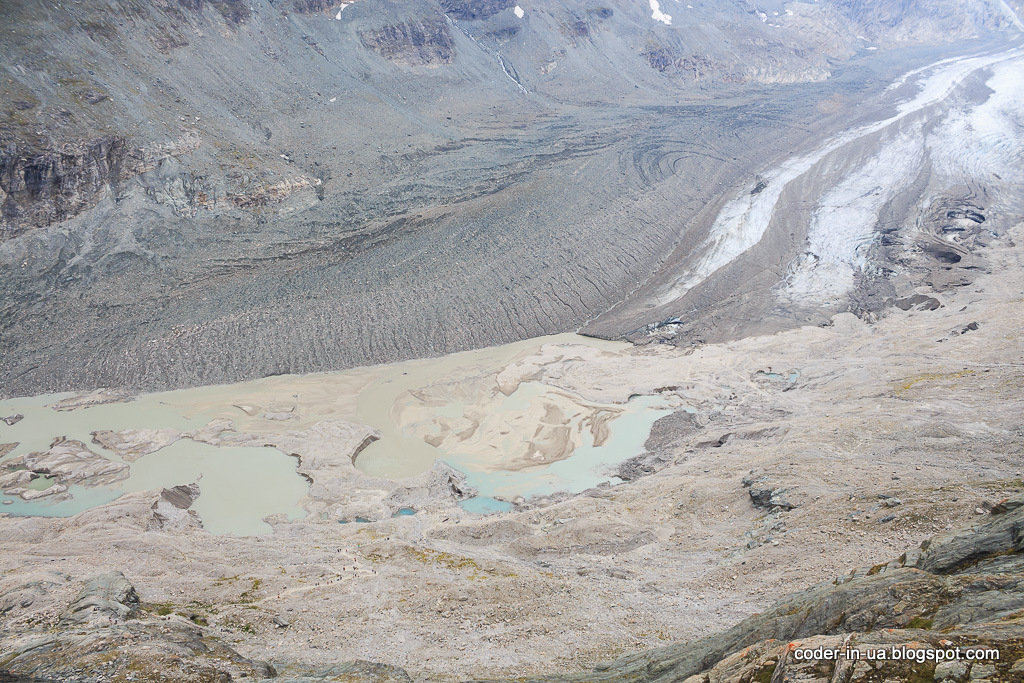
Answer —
752 479
105 598
982 671
950 671
956 549
770 498
917 301
171 510
642 465
669 431
181 497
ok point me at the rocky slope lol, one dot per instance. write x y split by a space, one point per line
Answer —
811 451
197 192
960 592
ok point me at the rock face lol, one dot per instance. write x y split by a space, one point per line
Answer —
40 188
961 590
171 511
425 42
108 597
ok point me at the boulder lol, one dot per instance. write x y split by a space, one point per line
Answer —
171 510
770 498
106 598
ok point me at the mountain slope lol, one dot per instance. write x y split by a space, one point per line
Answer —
199 192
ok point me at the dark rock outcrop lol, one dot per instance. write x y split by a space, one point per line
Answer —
662 445
171 510
43 187
423 42
475 9
770 498
920 302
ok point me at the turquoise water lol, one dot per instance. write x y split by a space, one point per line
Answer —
83 499
484 505
42 424
789 377
239 486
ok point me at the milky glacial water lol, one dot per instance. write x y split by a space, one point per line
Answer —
241 486
588 466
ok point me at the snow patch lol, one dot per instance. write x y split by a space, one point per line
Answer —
658 15
980 142
842 228
985 142
337 17
519 11
743 221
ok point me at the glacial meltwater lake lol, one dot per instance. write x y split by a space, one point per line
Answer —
242 486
